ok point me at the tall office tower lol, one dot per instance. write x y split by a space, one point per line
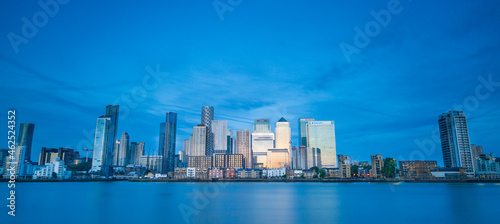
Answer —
199 144
168 152
283 135
229 142
123 155
116 155
161 139
294 157
25 138
186 146
455 140
132 150
303 130
261 142
476 151
112 112
207 116
312 157
103 151
139 152
244 146
321 135
377 164
219 130
262 126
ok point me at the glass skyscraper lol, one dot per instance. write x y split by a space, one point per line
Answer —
303 130
455 140
169 147
161 142
261 126
207 116
25 138
283 135
321 139
198 143
100 155
112 112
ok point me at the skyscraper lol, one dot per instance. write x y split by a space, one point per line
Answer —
261 126
186 146
123 154
131 154
25 138
161 140
219 130
476 151
321 136
199 144
102 157
283 135
207 116
112 112
139 152
230 142
116 155
243 146
170 138
455 140
303 130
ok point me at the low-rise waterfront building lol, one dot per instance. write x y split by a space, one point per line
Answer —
417 168
57 167
200 162
449 173
274 172
249 173
216 173
230 173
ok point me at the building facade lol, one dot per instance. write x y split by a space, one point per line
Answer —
25 138
455 140
200 161
219 131
321 136
244 147
207 116
228 161
417 168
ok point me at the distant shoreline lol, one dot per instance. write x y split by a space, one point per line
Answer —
264 180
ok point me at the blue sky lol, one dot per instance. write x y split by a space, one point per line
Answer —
263 60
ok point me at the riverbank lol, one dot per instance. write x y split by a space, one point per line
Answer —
266 180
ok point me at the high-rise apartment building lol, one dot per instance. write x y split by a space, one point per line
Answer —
161 139
231 142
219 130
112 112
102 158
168 152
476 151
455 140
321 136
207 116
244 147
123 151
198 145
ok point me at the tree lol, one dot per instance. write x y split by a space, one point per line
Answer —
82 166
354 170
322 173
54 175
389 168
315 169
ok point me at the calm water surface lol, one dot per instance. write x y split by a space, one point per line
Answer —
126 202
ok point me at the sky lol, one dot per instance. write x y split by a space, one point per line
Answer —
382 70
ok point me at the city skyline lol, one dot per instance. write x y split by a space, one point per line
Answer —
285 62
